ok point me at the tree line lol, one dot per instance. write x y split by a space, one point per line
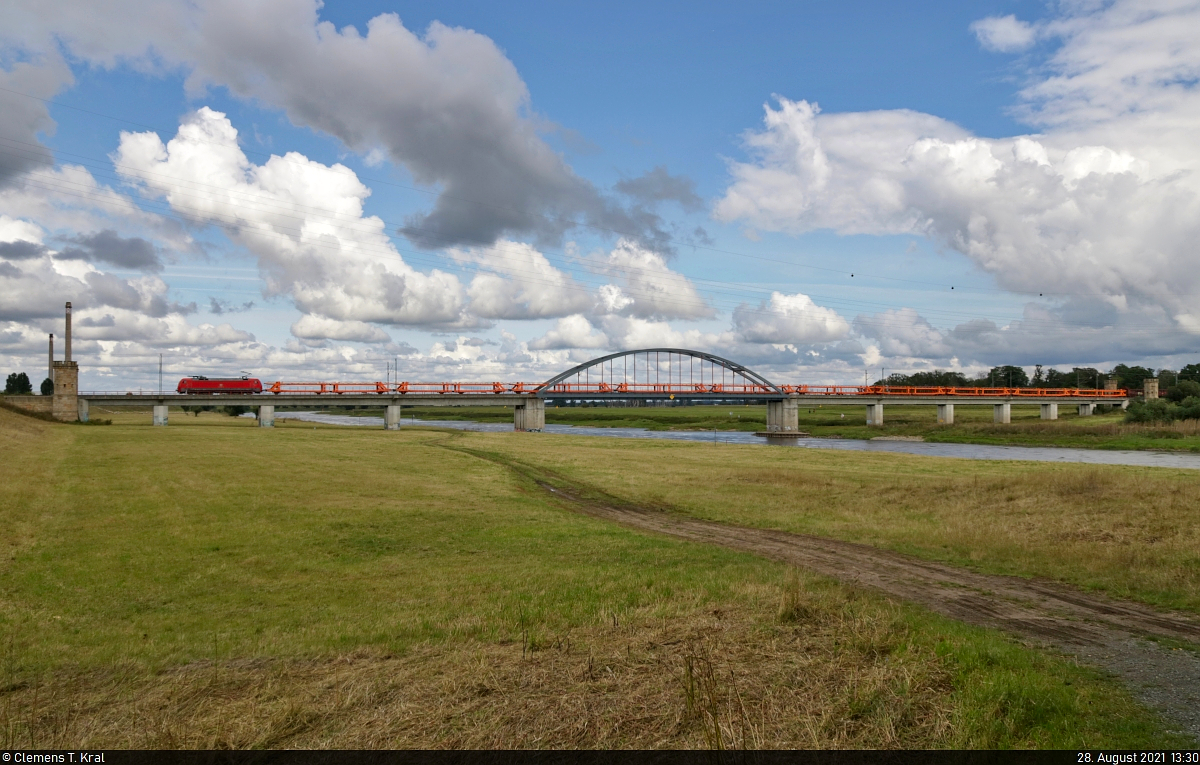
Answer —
1009 376
18 384
1179 390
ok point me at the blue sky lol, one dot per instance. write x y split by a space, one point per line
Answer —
544 182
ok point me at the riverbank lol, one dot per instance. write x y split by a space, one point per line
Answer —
1104 430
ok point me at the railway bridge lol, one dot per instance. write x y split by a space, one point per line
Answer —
636 377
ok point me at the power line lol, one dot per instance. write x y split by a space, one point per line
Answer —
173 208
571 222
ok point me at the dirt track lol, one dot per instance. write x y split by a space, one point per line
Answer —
1100 631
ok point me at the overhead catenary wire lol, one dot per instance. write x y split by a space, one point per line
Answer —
173 209
570 222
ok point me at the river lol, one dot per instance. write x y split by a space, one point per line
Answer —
959 451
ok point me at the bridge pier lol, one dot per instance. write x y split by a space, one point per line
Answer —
391 418
1086 410
945 414
266 416
160 415
530 416
783 416
1049 411
875 414
83 410
1002 413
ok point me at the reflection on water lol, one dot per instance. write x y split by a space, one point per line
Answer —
961 451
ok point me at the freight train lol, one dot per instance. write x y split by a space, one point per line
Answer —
201 384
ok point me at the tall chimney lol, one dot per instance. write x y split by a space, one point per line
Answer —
67 351
51 375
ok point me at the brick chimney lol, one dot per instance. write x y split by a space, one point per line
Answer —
66 382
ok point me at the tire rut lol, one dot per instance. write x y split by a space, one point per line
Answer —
1116 636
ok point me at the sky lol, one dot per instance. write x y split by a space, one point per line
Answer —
479 191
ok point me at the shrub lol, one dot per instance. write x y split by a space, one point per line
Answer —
1154 410
236 410
1189 408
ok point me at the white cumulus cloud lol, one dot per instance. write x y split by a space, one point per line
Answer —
788 319
521 284
646 287
1004 34
570 332
303 220
311 327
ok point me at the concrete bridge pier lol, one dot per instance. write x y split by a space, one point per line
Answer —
1086 410
945 414
783 416
1049 411
530 416
1002 413
266 416
83 410
160 415
875 414
391 418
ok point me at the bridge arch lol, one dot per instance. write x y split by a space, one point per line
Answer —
643 368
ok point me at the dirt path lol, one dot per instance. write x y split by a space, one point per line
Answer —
1098 630
1103 632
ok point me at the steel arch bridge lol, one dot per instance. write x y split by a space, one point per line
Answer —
656 372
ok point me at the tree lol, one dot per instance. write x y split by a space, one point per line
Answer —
47 387
1086 377
1008 376
1059 379
1131 378
1190 372
1184 389
936 378
18 384
236 410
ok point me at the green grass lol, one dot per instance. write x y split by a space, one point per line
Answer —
134 557
1133 532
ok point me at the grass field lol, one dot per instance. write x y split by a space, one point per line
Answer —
1132 532
215 584
973 424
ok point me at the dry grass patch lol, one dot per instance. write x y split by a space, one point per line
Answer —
830 668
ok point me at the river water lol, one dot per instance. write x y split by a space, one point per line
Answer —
960 451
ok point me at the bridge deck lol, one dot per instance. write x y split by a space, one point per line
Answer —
514 399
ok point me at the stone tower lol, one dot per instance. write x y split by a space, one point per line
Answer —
1150 388
66 381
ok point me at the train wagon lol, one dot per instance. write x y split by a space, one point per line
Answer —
201 384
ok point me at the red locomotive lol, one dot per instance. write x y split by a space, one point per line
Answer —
201 384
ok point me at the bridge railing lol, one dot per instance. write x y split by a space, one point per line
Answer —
382 388
913 390
590 388
649 389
